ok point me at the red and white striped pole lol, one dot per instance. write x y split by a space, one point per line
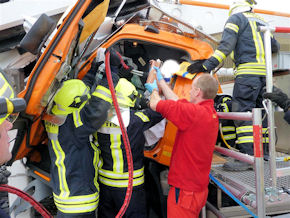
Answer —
259 162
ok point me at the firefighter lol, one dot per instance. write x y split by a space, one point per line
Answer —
244 42
223 103
74 158
8 104
282 100
113 170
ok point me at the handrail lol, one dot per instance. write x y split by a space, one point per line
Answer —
258 159
269 88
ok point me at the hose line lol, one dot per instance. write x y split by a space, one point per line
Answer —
124 136
37 206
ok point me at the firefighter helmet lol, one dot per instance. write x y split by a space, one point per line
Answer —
126 93
72 96
241 6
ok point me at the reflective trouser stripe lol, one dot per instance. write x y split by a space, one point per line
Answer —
230 136
252 65
258 72
121 183
81 199
265 135
245 134
78 208
249 139
245 139
228 128
265 130
243 129
77 204
114 175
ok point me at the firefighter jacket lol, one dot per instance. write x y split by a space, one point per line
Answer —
223 103
74 158
241 36
113 167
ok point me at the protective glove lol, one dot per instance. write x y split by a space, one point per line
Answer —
151 86
4 174
158 73
196 67
280 98
94 68
125 73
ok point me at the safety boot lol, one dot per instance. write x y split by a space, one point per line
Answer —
236 165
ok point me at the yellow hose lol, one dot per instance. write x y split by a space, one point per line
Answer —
224 140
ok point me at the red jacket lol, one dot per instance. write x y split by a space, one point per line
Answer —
194 144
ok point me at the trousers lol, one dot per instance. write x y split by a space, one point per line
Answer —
247 94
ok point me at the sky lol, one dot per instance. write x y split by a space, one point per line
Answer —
271 5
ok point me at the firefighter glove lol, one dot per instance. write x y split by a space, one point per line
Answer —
158 73
151 86
196 67
125 72
280 98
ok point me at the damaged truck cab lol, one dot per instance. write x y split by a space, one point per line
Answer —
139 33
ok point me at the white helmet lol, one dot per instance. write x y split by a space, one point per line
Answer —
241 6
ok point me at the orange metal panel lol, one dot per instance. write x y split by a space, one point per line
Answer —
53 64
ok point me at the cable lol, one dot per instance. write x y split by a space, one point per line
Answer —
231 195
124 136
37 206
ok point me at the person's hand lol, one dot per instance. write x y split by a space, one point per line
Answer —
280 98
158 73
151 86
196 67
155 63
